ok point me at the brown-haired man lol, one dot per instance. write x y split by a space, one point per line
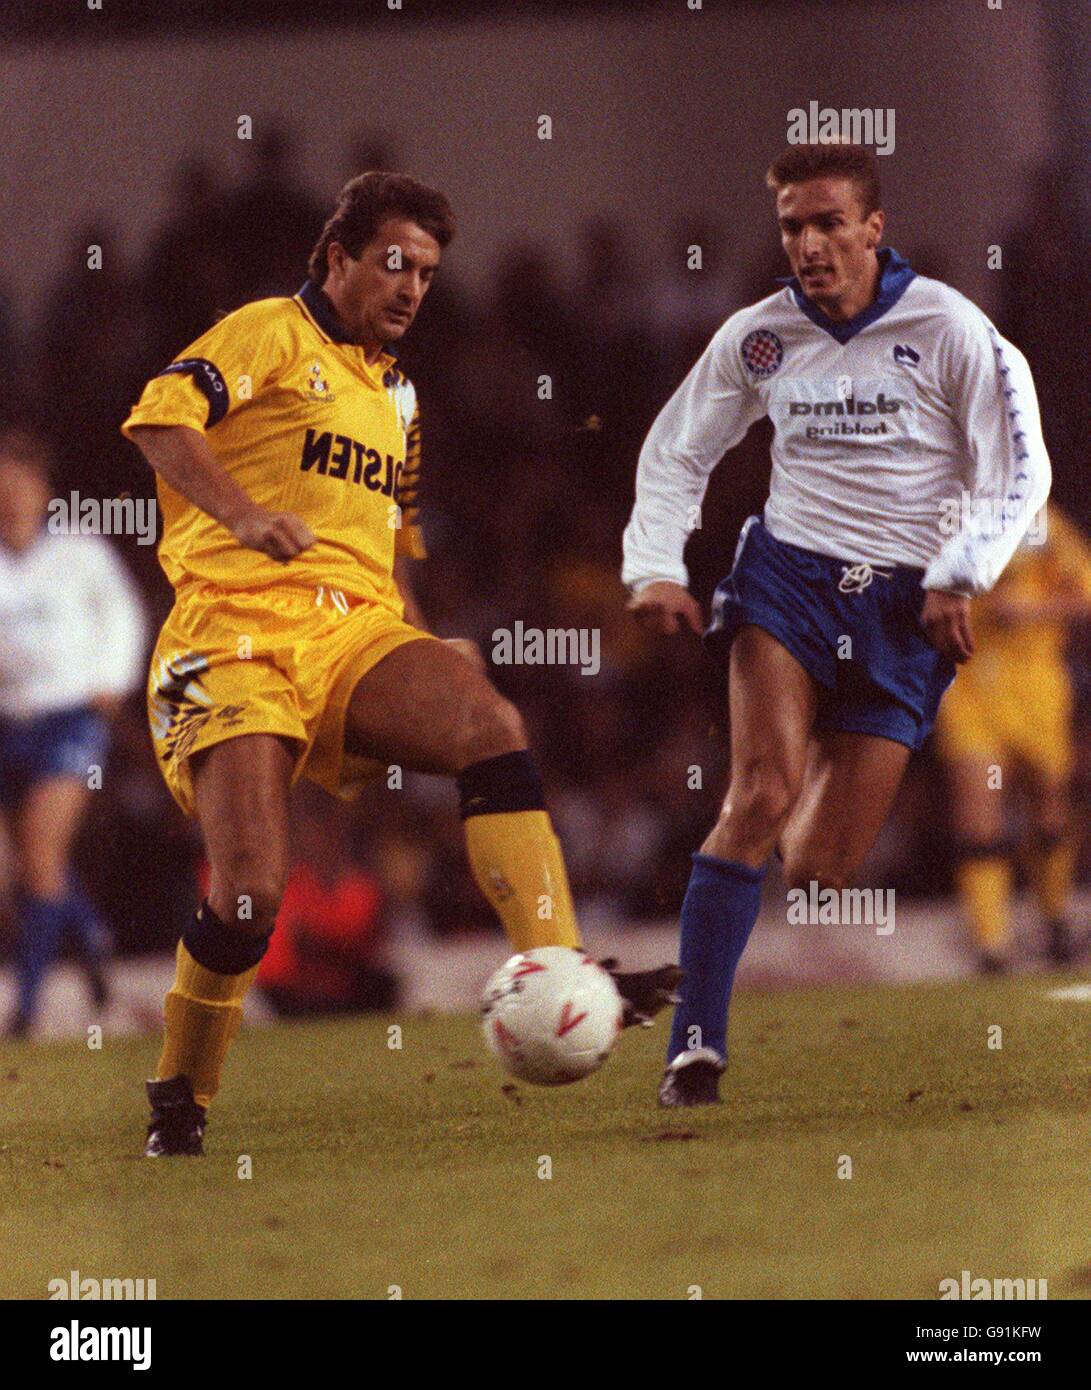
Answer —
892 398
286 443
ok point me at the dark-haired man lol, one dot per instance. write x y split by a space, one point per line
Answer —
907 463
286 443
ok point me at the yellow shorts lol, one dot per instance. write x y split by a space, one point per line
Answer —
992 713
284 661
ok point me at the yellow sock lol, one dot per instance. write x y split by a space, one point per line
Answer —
984 886
1053 869
203 1011
517 863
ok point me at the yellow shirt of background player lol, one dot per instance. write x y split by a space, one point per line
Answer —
1016 693
1029 651
305 425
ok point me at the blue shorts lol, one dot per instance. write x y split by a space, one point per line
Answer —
63 743
854 628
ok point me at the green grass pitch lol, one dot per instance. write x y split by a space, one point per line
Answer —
373 1167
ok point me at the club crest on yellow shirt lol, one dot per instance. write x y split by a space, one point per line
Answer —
318 388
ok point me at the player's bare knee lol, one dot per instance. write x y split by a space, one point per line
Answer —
492 726
247 892
257 911
759 801
801 873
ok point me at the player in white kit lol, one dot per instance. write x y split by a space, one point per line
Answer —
72 640
908 461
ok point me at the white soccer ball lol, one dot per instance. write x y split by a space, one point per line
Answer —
551 1015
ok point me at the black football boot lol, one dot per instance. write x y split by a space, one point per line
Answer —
178 1122
693 1078
644 992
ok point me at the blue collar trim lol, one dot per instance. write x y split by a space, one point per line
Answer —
325 315
323 312
895 277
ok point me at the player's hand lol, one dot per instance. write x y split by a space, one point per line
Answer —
280 535
946 619
666 608
468 649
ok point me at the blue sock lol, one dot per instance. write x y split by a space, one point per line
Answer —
718 915
41 926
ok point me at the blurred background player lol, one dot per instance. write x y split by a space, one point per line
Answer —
1007 722
71 647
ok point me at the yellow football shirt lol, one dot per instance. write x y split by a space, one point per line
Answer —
1062 564
304 424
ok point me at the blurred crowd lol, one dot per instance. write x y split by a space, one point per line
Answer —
535 398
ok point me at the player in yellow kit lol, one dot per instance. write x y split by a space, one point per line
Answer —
286 444
1007 721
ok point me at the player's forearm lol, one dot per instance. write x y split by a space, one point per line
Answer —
704 418
668 504
182 458
997 410
999 516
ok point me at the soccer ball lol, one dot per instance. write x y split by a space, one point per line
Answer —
551 1015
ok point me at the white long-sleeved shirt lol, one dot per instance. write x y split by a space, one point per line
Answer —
72 626
909 435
